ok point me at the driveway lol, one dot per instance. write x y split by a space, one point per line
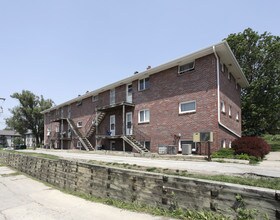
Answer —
269 167
24 198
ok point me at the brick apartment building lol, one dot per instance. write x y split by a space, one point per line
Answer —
161 106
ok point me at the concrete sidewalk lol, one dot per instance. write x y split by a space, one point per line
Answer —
269 167
24 198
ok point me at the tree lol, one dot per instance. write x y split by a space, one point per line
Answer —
27 115
259 58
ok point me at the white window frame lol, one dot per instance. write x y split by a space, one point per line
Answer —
223 107
236 85
229 111
95 98
189 111
229 76
222 67
187 69
112 96
48 132
79 144
145 84
146 120
145 143
79 124
224 143
237 116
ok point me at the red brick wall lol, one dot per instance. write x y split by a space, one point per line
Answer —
230 94
167 90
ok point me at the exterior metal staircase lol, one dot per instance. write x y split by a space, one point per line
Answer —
85 142
95 122
135 144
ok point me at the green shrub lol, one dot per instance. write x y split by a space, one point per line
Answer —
223 153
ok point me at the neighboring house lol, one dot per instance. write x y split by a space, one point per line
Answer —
30 139
7 138
161 106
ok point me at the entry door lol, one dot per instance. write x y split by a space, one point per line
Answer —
112 145
129 93
129 123
112 125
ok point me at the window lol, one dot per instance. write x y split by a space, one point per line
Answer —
222 67
69 133
229 144
79 103
146 144
229 111
79 144
79 124
143 84
237 116
223 143
57 129
223 107
112 96
229 76
95 98
144 116
186 67
48 132
236 85
187 107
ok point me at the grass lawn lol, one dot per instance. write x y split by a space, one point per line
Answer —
273 141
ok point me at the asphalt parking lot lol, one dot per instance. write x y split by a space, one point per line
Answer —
269 167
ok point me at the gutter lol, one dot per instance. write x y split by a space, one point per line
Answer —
218 94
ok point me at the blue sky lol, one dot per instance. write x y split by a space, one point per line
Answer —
63 48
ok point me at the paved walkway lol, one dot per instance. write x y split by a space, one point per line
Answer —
24 198
269 167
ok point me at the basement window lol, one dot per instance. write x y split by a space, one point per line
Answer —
223 143
186 67
79 144
187 107
146 144
79 124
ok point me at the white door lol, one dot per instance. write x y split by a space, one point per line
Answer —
129 93
112 125
128 124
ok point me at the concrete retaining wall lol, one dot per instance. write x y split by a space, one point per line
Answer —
147 188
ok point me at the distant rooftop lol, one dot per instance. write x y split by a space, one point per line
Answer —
9 133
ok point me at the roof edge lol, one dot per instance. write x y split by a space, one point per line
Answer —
146 73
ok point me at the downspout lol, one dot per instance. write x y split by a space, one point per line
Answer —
218 94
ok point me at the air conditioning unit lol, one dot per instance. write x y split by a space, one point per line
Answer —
203 137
